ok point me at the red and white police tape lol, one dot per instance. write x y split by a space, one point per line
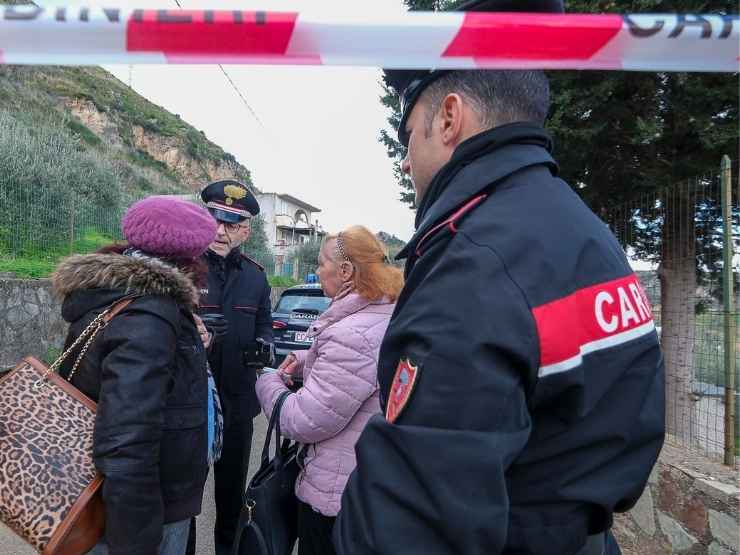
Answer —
94 35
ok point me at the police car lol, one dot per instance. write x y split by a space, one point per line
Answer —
294 313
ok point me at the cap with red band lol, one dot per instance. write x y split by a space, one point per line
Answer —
230 201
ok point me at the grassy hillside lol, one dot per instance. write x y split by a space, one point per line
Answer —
77 146
45 96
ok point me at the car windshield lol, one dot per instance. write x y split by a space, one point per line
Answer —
291 303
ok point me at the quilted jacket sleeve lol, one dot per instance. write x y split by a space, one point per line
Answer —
342 378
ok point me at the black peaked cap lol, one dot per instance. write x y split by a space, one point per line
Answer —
229 200
410 83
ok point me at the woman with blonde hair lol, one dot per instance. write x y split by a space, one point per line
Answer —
340 390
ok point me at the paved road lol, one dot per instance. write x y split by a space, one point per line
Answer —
10 544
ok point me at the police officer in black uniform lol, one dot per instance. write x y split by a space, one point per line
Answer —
520 378
238 289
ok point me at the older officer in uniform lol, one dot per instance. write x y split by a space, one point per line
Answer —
521 376
238 289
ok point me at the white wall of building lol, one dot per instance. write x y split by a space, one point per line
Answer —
278 211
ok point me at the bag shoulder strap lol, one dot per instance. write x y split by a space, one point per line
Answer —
116 308
88 335
274 424
245 523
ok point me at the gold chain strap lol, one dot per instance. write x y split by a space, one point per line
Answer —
92 330
84 350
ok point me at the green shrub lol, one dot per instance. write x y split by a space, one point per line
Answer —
282 281
91 241
199 147
27 268
258 245
83 132
144 160
307 255
49 188
51 355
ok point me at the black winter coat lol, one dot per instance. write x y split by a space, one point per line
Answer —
147 372
520 376
238 289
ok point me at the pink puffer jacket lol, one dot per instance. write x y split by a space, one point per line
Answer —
338 397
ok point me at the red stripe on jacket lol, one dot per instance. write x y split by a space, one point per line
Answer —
591 319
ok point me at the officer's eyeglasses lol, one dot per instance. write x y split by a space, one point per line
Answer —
233 228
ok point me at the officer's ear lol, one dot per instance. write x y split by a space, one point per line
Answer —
451 119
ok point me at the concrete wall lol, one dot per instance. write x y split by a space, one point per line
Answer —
690 506
30 320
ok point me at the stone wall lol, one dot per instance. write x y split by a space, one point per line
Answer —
30 320
690 507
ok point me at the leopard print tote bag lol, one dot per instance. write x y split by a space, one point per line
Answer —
49 488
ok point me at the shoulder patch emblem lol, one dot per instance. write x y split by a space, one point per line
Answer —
403 384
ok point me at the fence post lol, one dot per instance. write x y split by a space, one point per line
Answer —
736 322
72 209
296 268
729 312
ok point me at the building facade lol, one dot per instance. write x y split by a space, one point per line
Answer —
289 223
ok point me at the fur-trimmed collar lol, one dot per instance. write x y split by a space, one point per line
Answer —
145 276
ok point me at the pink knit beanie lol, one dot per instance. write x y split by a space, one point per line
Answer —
170 227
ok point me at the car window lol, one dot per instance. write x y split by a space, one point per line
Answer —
289 303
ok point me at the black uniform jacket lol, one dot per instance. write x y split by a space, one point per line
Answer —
536 406
147 372
238 289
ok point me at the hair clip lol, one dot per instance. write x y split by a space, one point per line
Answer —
340 247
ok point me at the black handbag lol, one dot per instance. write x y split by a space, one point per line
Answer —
268 523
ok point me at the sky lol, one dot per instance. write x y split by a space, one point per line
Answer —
317 139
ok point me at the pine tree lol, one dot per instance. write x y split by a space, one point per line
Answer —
622 134
396 151
257 246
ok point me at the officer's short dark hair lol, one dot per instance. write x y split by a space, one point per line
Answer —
499 96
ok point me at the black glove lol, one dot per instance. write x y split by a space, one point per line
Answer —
216 324
259 354
271 349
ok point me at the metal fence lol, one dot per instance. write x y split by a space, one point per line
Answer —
39 226
683 240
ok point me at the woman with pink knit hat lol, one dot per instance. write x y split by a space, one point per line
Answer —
147 372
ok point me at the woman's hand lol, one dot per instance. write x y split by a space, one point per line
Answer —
288 368
205 335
